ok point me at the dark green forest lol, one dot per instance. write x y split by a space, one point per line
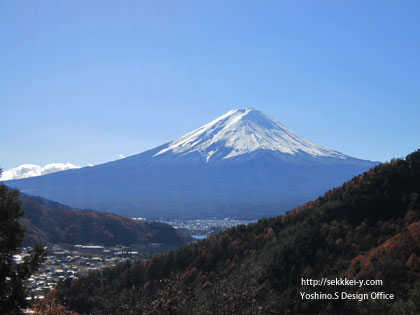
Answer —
13 275
369 228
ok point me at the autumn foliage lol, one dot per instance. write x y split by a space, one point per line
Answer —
50 306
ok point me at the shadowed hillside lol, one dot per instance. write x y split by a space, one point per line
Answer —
49 222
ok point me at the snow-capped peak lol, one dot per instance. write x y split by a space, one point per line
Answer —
243 131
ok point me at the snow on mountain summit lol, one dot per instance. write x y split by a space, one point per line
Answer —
243 131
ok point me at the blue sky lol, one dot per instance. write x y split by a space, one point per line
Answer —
86 81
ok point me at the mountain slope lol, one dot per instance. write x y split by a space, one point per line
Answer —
366 229
49 222
242 163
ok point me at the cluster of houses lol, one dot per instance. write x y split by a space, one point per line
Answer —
72 261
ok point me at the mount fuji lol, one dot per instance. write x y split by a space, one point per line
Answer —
240 164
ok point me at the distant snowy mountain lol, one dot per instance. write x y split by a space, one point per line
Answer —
240 164
31 170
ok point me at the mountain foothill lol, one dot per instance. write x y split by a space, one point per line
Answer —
49 222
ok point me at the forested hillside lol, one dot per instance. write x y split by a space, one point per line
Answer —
369 228
49 222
